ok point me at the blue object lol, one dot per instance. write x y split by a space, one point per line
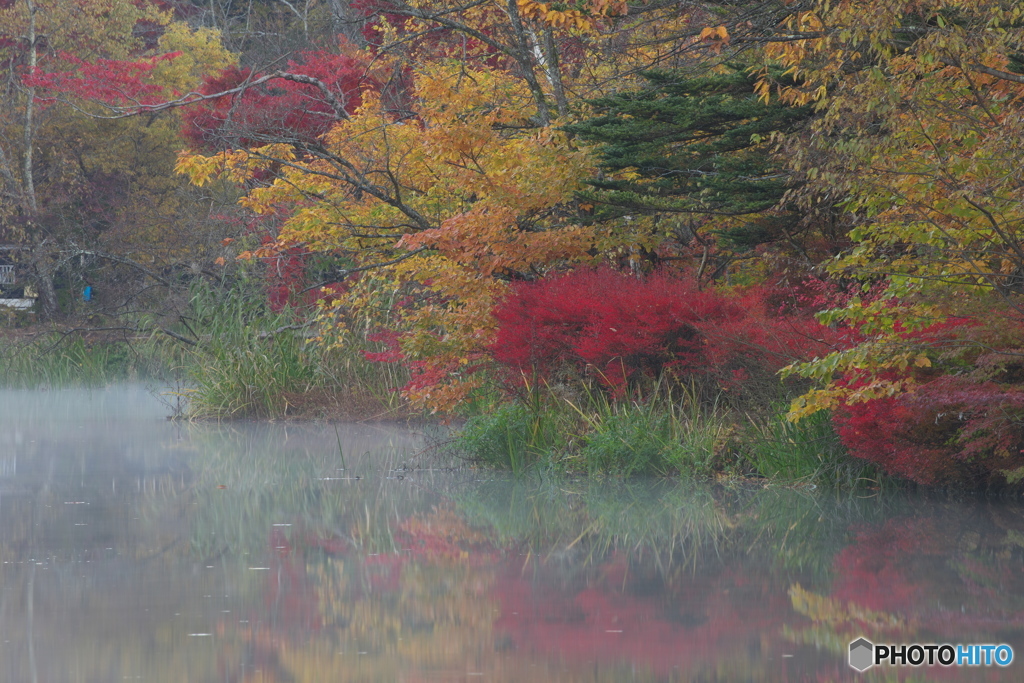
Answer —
87 293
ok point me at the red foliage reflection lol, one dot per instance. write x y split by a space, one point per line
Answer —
622 616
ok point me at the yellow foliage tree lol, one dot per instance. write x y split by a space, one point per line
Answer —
446 206
920 140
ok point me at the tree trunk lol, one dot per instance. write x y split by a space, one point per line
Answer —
346 21
42 271
553 71
525 54
29 130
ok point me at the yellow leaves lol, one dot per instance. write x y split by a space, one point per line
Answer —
201 170
821 609
809 21
715 33
763 87
447 91
86 28
936 200
560 19
201 53
717 37
198 168
235 166
811 402
465 185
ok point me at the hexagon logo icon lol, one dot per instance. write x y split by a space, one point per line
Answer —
862 653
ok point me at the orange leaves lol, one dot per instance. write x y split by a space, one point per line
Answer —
577 15
717 37
488 241
833 40
543 13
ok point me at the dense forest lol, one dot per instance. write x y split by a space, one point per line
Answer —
650 236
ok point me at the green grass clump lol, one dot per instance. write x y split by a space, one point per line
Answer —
250 361
596 435
651 439
808 450
662 433
512 437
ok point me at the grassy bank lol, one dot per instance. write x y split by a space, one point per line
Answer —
233 357
249 361
666 433
228 354
53 357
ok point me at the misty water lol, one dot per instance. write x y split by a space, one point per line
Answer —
134 548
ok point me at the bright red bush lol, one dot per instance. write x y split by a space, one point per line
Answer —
620 328
116 82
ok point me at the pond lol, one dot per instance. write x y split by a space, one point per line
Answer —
137 548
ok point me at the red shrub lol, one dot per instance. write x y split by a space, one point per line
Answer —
392 352
621 328
115 82
951 430
963 424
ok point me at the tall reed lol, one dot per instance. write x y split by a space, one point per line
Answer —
250 361
660 429
808 451
57 360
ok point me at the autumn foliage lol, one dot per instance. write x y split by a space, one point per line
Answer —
961 423
620 329
116 81
299 110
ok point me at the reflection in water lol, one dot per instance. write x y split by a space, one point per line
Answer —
134 548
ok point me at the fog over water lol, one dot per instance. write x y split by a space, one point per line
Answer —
133 547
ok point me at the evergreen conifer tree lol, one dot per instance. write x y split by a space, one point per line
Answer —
694 146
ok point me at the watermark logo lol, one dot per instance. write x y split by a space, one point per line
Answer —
864 654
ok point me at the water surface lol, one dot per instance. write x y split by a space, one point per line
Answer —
135 548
